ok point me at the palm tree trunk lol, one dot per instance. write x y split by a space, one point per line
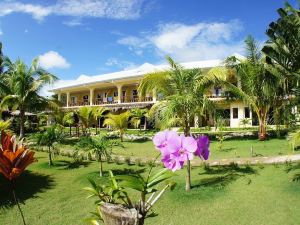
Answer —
262 117
50 156
70 131
22 122
101 167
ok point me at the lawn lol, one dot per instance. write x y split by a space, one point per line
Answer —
221 195
231 149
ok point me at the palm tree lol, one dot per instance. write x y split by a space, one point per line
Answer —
260 87
98 113
22 85
52 135
86 117
137 115
183 91
69 120
101 147
118 122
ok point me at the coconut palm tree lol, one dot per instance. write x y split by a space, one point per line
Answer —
183 92
69 120
118 122
98 113
137 115
260 86
86 117
22 85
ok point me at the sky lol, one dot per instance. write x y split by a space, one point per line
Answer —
92 37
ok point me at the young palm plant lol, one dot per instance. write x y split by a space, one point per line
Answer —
22 85
101 147
49 138
183 91
118 122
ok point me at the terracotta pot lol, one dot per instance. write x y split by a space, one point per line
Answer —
118 215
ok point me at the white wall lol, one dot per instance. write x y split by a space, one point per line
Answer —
235 122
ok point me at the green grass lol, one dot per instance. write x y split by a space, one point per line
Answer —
231 149
224 195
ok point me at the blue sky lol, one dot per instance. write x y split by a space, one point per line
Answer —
74 37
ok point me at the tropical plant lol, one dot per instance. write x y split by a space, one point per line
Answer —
184 97
259 87
22 84
283 46
4 125
14 158
283 55
98 113
118 122
101 147
245 122
86 117
136 117
49 138
146 185
69 120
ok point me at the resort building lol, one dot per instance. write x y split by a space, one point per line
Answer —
119 90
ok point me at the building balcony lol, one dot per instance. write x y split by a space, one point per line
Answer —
113 102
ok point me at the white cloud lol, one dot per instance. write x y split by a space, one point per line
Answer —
123 64
73 23
134 43
118 9
190 42
52 59
1 32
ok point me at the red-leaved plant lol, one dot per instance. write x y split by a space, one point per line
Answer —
14 158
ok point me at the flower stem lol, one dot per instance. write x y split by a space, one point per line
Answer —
17 202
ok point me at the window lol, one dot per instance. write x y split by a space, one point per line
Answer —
134 92
218 91
247 112
123 93
235 113
85 98
115 94
73 99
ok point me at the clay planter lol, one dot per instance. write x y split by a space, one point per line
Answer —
118 215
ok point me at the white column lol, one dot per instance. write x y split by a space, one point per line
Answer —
119 93
154 95
196 121
59 96
91 96
68 98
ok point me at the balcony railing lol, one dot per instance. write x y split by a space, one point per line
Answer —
110 101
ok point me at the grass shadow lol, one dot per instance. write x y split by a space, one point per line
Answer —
228 149
221 176
28 185
74 164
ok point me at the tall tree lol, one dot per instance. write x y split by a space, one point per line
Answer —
22 85
184 97
283 46
259 86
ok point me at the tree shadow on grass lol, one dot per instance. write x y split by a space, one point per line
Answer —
221 176
74 164
28 185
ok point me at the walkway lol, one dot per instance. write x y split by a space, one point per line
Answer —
253 161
